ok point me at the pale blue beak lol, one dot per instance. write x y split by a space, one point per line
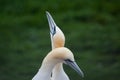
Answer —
52 23
74 66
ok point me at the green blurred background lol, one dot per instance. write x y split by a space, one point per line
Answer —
91 27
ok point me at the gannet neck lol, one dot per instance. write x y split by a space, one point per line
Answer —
58 73
45 70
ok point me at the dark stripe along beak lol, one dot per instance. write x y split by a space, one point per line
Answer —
52 24
74 66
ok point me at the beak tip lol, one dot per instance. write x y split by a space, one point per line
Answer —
47 12
82 75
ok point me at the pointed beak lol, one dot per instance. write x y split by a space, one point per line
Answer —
52 24
74 66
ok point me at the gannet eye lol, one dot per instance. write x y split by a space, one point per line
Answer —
68 60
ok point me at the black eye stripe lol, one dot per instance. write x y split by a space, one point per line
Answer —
68 60
53 31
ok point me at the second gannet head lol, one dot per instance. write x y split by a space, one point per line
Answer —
57 36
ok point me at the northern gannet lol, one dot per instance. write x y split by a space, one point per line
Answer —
57 55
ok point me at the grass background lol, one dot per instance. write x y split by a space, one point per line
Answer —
91 27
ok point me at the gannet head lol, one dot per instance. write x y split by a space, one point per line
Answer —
57 36
64 55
